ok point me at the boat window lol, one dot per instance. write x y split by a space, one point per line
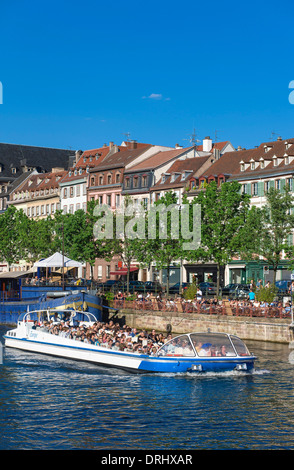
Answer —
179 346
241 348
212 345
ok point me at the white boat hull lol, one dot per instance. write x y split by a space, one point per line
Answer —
26 338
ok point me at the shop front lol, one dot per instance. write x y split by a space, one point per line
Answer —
242 272
204 272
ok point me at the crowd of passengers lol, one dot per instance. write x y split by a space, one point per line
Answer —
200 304
109 335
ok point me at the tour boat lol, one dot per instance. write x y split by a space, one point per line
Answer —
190 352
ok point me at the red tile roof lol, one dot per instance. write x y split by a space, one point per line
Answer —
158 159
229 163
181 166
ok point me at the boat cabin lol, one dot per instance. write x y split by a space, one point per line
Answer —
204 345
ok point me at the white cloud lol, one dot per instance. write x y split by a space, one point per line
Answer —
155 96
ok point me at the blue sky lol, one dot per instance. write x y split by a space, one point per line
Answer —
79 74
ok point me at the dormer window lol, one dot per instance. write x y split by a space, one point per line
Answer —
267 148
287 160
275 161
242 166
80 171
252 165
262 163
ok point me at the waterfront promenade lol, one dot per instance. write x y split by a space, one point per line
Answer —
178 304
270 323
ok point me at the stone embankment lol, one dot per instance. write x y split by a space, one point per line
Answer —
276 330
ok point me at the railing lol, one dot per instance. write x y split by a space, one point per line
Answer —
180 306
9 295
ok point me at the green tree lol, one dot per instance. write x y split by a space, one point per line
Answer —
39 239
14 228
223 214
267 229
164 247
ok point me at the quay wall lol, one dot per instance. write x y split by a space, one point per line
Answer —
260 329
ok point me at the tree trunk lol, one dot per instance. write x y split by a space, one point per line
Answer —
92 274
217 279
128 279
167 280
275 275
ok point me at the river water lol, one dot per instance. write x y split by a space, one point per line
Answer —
57 404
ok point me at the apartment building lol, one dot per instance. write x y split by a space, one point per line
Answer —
39 195
271 164
18 161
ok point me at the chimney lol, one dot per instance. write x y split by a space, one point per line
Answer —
239 148
110 145
57 169
279 138
216 153
78 153
178 146
133 144
207 144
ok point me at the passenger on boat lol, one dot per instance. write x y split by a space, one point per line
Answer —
222 351
205 350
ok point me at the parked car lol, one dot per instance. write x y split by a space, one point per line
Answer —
207 288
134 286
176 288
235 289
283 287
110 284
152 286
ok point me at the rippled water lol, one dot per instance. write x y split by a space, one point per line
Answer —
52 403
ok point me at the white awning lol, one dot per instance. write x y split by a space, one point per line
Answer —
57 261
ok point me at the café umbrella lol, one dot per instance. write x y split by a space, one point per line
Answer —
58 260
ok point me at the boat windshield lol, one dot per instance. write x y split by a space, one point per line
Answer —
179 346
211 344
205 345
241 347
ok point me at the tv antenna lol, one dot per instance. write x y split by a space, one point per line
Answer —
128 135
215 135
273 133
193 139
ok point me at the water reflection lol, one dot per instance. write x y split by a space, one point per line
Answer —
52 403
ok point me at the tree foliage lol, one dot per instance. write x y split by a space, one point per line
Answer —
223 214
266 232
